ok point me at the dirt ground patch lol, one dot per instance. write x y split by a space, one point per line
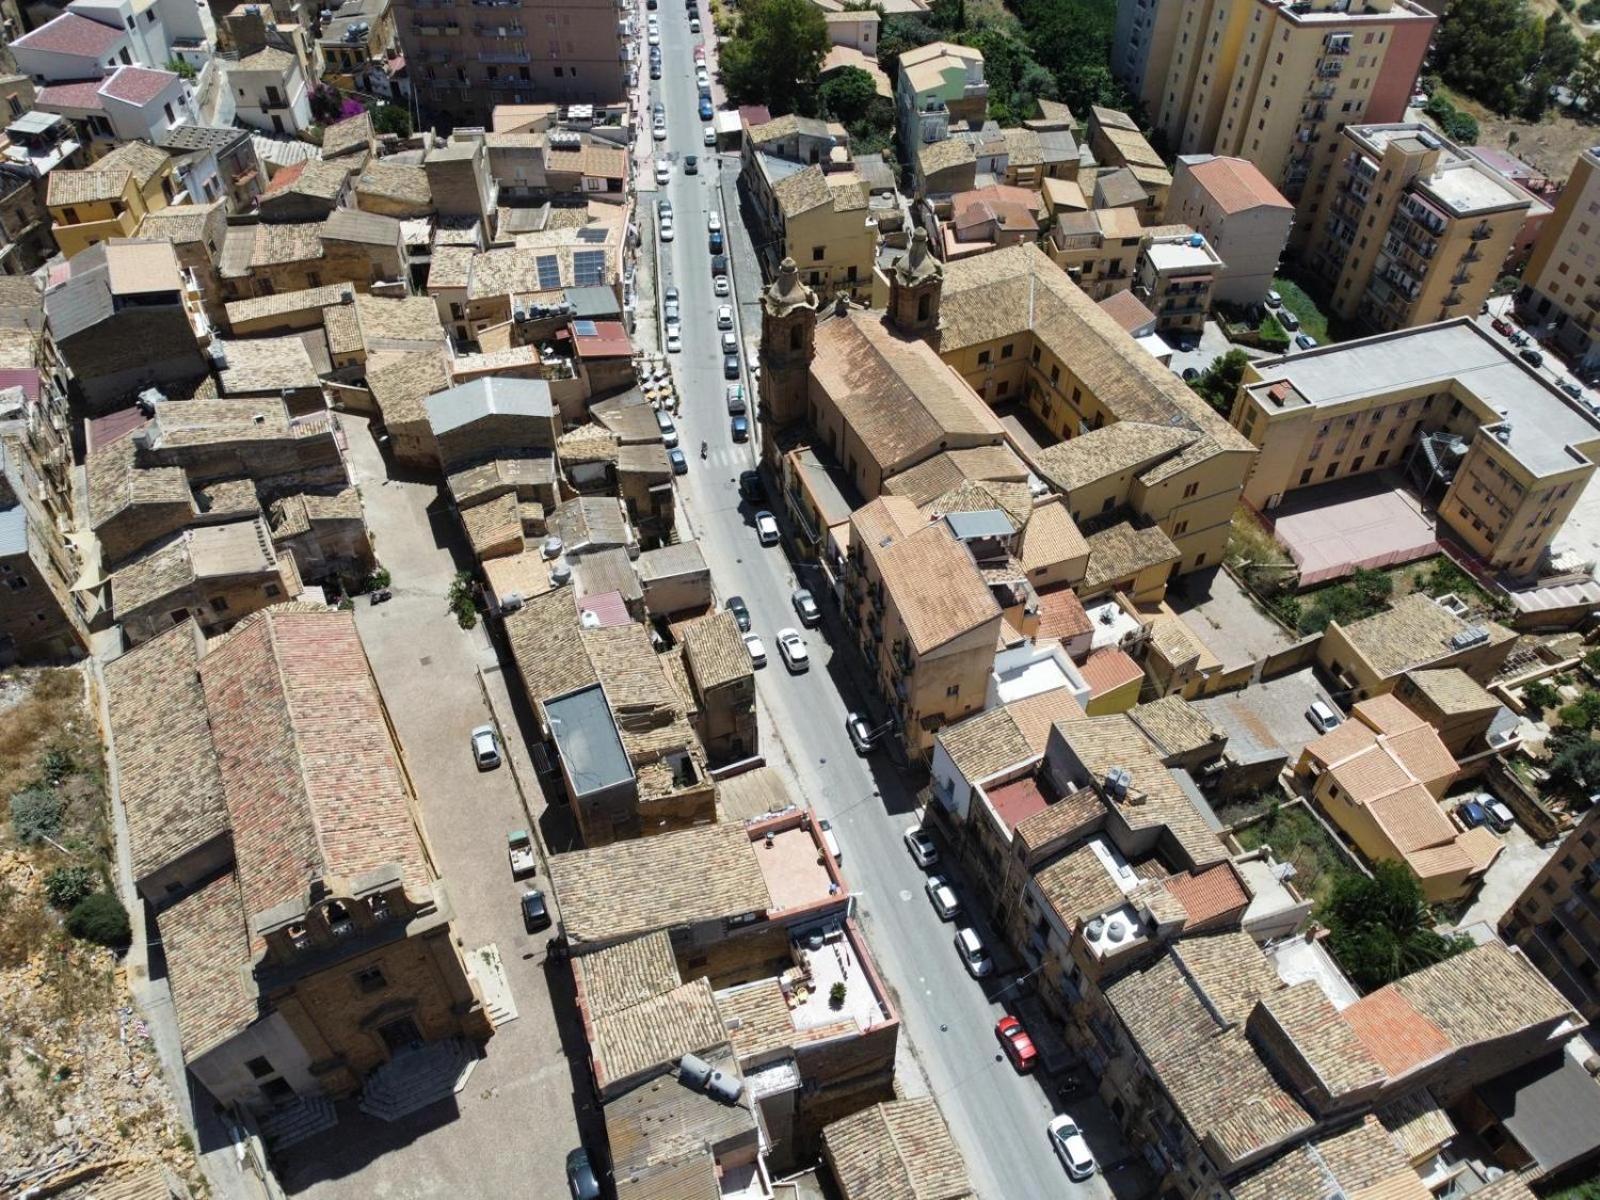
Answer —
1552 145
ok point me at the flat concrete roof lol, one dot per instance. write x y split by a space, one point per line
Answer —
1545 428
587 738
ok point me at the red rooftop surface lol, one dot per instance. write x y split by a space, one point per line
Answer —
285 179
1016 801
610 340
1108 669
609 609
137 85
73 34
85 95
1209 895
755 114
1061 615
26 378
100 432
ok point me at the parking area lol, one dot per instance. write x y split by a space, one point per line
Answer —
1213 344
1505 881
1362 521
1269 715
1225 618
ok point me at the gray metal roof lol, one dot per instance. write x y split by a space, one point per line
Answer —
594 302
479 398
587 739
348 225
1552 1107
201 137
987 523
13 531
80 303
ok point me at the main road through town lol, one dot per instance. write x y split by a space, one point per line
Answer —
998 1117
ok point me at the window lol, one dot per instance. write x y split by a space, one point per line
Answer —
953 690
1005 351
271 589
817 253
17 583
983 358
1190 490
1305 477
371 980
1055 374
219 604
259 1067
1181 528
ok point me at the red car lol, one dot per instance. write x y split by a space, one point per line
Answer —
1501 326
1018 1045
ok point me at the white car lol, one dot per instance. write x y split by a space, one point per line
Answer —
713 221
1071 1149
669 431
654 37
674 339
485 748
922 846
663 172
757 652
973 956
659 131
709 137
719 286
767 529
724 316
943 897
730 342
793 648
1322 717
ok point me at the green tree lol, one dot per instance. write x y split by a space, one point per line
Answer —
100 918
1457 125
1219 383
847 95
775 54
1583 714
1486 48
1576 767
949 16
1539 697
1585 78
1072 39
899 33
1379 928
1559 53
391 118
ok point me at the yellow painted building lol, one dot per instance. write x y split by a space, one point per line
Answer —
825 226
1502 453
1414 231
110 199
1560 285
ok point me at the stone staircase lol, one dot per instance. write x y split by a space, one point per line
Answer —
297 1121
417 1077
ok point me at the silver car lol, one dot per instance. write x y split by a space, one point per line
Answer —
485 748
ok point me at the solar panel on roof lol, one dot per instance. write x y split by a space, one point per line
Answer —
591 233
588 267
585 329
549 272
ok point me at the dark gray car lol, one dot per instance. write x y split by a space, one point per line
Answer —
581 1179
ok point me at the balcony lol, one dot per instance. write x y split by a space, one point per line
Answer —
1330 68
504 56
1480 232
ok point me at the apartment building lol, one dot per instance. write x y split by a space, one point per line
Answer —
40 618
464 58
1098 249
1271 81
111 198
941 87
1415 229
1558 284
1503 454
1242 216
1556 920
270 92
1175 279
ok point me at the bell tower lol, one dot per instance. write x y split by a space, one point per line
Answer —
788 340
916 282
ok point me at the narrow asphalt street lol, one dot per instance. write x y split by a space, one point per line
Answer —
998 1117
511 1126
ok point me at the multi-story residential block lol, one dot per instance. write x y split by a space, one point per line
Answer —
988 218
1558 284
1503 453
941 87
359 47
463 58
111 198
1415 230
723 686
307 937
130 103
1175 279
269 90
1243 217
870 1155
92 37
823 223
1098 249
1272 81
1117 145
40 618
1556 920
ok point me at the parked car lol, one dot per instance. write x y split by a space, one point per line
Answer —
739 427
973 954
924 850
720 286
691 165
751 487
663 208
1570 388
735 397
1274 300
741 613
943 897
535 913
757 652
1518 338
730 342
1531 356
679 461
730 366
581 1179
485 748
713 221
519 850
709 136
671 294
1472 814
674 339
1016 1042
1500 818
706 111
663 172
724 316
805 606
1071 1149
1501 326
1322 717
669 311
831 842
792 648
1287 319
694 24
715 243
719 265
668 231
655 68
767 529
860 731
1305 341
669 431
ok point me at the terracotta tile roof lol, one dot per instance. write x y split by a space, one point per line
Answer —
85 95
896 394
986 743
1061 614
1036 715
1452 691
1413 821
308 764
281 303
1386 714
86 187
618 977
400 383
1236 184
170 782
1127 446
1337 1057
353 133
1209 896
1507 1187
1108 669
1417 1123
1394 1032
1051 537
1068 819
1175 725
631 888
715 651
547 644
1078 887
654 1033
1414 631
1360 1162
208 953
1122 551
592 159
116 484
944 471
1013 499
896 1150
1487 993
73 35
1183 1024
406 183
1127 310
933 157
934 586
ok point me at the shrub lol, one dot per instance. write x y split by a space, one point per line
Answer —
35 815
461 602
1539 697
56 765
1583 713
1273 335
65 886
378 579
101 919
1591 661
836 995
